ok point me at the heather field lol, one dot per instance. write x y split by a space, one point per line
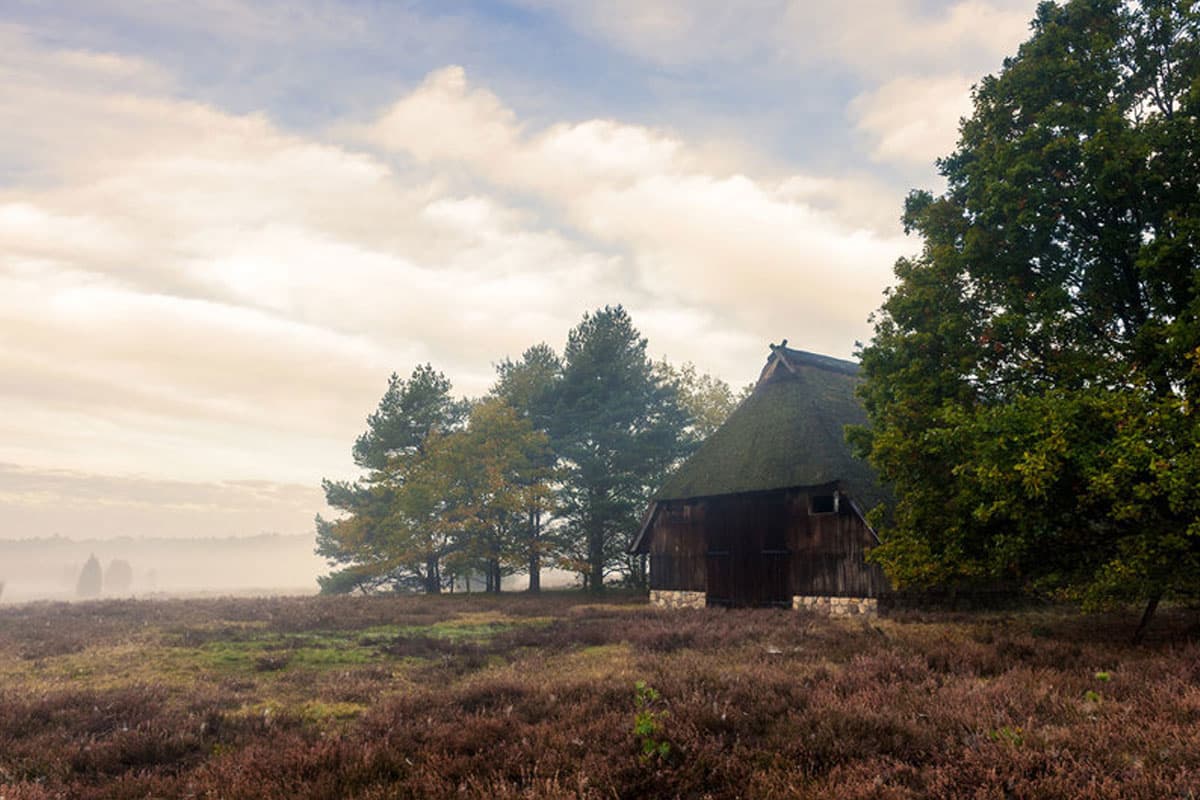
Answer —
558 696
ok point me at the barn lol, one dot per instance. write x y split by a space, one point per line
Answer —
770 510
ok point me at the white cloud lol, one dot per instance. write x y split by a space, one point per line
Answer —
917 63
913 120
881 40
699 235
200 295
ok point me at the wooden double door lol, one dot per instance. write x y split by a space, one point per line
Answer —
747 561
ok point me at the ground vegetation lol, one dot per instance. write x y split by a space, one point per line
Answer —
561 695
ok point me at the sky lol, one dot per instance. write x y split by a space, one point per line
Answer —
224 223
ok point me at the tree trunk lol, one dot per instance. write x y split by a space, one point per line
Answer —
596 559
1147 615
535 572
494 574
535 553
433 578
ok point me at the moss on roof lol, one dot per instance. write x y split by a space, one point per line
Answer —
788 432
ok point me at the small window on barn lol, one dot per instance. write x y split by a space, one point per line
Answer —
823 504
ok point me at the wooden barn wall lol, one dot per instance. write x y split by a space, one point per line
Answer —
828 553
760 549
677 547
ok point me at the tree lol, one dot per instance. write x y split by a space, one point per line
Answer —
707 400
617 428
90 579
495 476
391 534
407 412
528 386
1032 381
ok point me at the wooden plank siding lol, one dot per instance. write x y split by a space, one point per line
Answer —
761 548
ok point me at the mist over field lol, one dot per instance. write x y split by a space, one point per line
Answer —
49 568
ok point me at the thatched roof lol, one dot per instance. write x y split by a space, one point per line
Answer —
788 433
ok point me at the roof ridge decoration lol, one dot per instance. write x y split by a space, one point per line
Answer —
791 360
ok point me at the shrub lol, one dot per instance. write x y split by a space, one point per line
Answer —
118 578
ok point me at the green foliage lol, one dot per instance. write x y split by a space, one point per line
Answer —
708 400
527 386
648 722
408 411
617 428
392 534
493 476
1012 736
1032 381
457 489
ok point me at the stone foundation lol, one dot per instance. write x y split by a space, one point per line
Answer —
663 598
837 606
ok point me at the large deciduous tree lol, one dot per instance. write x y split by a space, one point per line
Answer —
617 428
494 477
1033 377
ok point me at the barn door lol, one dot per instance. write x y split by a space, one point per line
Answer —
748 562
718 557
773 563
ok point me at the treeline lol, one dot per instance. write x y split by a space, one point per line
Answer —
553 467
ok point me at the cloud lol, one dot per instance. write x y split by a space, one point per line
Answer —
913 120
39 502
912 64
706 237
880 40
197 295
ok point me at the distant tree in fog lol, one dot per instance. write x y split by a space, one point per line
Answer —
119 576
90 579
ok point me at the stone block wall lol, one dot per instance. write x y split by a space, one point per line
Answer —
663 598
837 606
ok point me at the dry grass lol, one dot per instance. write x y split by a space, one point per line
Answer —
534 697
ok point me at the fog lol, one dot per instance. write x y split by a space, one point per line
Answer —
269 564
49 568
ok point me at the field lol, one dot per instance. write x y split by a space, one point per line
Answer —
513 696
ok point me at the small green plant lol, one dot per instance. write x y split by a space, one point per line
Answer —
1092 697
648 722
1104 676
1007 735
